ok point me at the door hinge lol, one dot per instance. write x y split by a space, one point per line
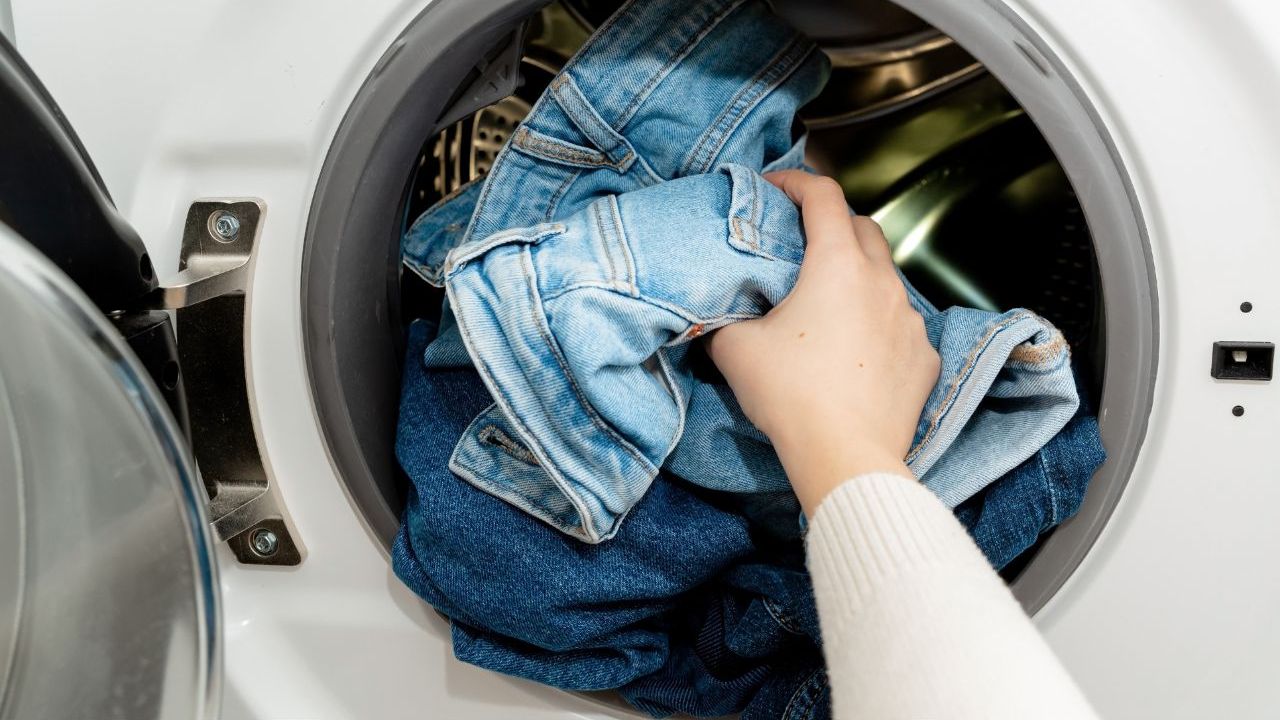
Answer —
207 299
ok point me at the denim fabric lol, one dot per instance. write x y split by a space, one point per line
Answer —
700 604
525 599
1011 514
626 217
750 645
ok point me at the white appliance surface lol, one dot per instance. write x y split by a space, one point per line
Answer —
1174 612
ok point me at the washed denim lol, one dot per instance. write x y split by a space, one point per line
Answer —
750 645
1012 513
700 604
524 598
628 216
696 606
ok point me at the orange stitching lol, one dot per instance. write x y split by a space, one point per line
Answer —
1035 354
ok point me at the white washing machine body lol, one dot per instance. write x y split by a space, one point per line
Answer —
1172 612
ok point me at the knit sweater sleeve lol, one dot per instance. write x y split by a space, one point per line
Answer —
915 623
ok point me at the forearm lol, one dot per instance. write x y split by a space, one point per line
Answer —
915 623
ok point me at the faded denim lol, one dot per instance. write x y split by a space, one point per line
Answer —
626 217
1012 513
700 604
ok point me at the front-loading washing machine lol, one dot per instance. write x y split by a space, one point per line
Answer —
253 166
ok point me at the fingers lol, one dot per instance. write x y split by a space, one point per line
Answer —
826 215
871 239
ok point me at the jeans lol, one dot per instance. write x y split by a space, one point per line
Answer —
524 598
1012 513
626 217
700 604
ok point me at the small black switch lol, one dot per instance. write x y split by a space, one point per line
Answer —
1242 360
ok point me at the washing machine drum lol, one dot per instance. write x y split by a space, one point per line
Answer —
1001 211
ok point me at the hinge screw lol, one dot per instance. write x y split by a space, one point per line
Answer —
225 226
264 542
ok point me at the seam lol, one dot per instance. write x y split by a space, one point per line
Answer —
752 247
621 232
504 402
757 205
801 700
604 241
1050 483
755 215
709 323
780 616
691 42
780 67
965 371
735 227
558 195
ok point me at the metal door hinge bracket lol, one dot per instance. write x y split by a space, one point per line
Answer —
208 300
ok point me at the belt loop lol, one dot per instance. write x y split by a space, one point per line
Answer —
588 121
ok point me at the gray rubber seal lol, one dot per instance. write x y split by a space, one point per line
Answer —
350 283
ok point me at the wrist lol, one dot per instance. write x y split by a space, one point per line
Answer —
817 463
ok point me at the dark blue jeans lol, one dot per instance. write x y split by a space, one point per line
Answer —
700 604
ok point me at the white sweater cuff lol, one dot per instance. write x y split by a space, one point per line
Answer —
881 524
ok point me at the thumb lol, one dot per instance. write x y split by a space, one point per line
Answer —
830 241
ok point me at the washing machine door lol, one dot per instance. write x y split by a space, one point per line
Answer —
108 588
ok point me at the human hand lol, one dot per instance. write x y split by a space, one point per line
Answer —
837 374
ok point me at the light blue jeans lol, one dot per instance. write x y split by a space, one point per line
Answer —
627 217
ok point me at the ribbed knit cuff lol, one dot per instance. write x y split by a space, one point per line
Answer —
882 524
